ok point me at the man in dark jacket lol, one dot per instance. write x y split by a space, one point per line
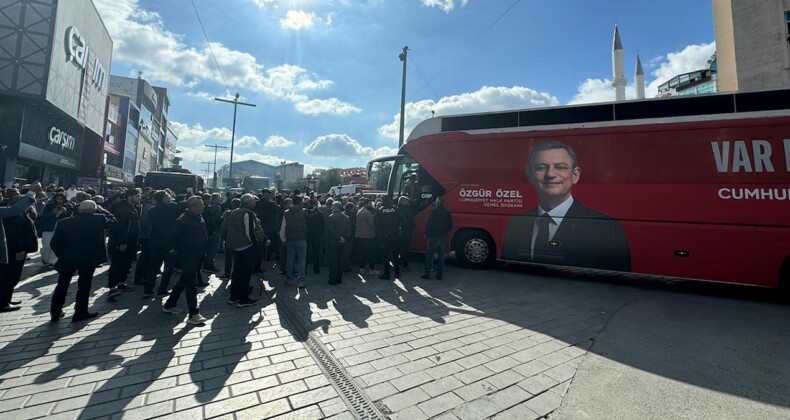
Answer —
388 225
315 236
123 240
212 215
245 237
21 240
437 226
161 219
87 230
406 228
268 213
144 259
294 234
338 242
188 241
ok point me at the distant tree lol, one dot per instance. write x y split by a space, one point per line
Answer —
379 175
329 179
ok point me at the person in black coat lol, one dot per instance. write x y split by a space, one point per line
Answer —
561 230
438 225
338 242
188 240
21 240
123 240
161 219
87 230
268 213
387 221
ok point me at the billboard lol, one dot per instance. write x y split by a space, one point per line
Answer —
80 64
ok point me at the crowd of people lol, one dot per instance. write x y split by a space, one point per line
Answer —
165 232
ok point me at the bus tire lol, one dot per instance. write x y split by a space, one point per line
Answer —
784 278
474 249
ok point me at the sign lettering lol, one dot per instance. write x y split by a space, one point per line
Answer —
77 51
62 138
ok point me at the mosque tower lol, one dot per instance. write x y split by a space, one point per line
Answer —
639 79
618 81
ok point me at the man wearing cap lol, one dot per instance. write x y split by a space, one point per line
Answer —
86 228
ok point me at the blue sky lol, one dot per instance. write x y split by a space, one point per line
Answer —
326 77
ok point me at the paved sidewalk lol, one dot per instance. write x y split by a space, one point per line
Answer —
135 361
478 344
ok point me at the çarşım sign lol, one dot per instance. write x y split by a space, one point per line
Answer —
62 138
77 51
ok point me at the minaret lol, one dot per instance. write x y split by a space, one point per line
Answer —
618 81
639 79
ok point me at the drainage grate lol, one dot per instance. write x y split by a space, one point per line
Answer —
358 403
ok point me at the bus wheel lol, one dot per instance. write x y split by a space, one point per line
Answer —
474 249
784 279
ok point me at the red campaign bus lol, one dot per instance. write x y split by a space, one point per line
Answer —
694 187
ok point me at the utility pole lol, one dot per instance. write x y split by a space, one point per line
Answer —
215 146
208 167
235 103
403 56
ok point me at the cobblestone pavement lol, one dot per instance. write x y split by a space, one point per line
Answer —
478 344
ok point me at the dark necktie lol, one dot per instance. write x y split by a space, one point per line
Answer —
542 240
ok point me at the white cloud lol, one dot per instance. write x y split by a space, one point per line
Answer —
484 100
298 19
193 136
693 57
277 141
446 5
141 40
599 90
264 4
246 141
343 146
326 106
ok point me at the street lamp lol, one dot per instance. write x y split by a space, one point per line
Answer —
403 56
235 103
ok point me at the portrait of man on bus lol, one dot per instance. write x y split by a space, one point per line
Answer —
561 230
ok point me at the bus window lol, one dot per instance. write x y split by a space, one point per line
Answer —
416 183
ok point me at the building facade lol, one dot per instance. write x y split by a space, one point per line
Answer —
752 44
245 168
54 63
143 113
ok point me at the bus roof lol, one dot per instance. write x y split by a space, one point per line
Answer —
672 109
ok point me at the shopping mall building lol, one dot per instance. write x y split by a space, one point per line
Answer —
54 75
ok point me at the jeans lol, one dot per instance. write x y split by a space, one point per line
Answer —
83 290
298 250
243 266
435 246
187 283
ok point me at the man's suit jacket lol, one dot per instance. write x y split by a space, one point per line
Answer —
585 238
78 241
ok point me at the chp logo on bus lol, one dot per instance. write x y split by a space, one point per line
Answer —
506 197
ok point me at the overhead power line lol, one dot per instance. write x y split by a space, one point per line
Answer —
485 31
209 46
